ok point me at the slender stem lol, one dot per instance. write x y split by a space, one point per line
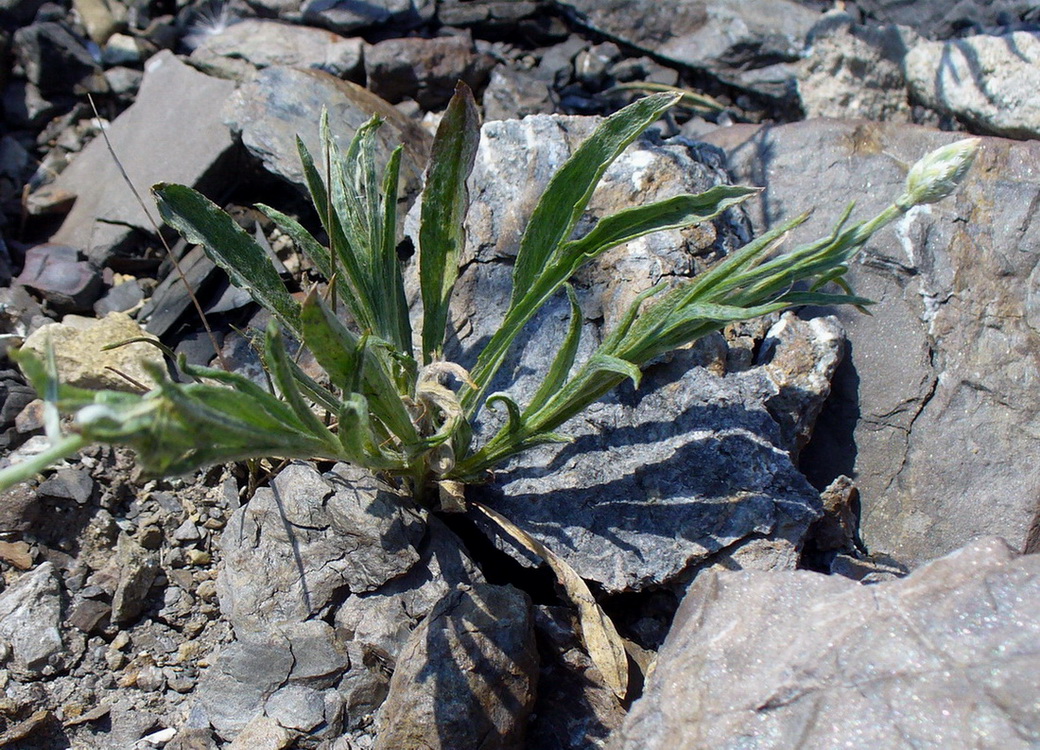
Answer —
30 467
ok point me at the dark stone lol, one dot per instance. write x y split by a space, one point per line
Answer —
19 509
90 615
467 676
513 94
426 70
73 484
66 283
345 16
56 61
749 43
487 14
942 19
120 298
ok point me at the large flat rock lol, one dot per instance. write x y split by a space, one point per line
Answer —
948 657
935 411
172 133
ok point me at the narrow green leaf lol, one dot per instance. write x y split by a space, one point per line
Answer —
570 189
398 329
442 235
564 359
201 222
277 359
338 351
616 365
671 213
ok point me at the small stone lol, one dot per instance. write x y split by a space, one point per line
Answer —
30 618
150 536
207 591
115 660
296 707
138 569
199 557
187 532
74 484
78 348
262 733
181 684
89 615
67 283
30 419
17 554
150 679
19 508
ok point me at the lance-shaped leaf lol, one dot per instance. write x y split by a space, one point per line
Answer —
564 359
611 231
442 235
570 189
247 264
355 368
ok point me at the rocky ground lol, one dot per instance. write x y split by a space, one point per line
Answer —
812 530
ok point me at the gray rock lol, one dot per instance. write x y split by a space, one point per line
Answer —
286 674
467 676
980 80
656 482
425 70
933 416
320 654
138 569
282 103
172 133
344 16
71 483
122 297
947 657
234 690
493 14
574 708
30 619
19 509
296 546
382 620
263 43
296 707
854 71
750 44
15 396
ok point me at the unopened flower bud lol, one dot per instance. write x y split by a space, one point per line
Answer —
939 173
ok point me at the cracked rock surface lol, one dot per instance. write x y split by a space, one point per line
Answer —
936 404
946 657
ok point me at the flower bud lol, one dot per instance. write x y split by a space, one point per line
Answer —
939 173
